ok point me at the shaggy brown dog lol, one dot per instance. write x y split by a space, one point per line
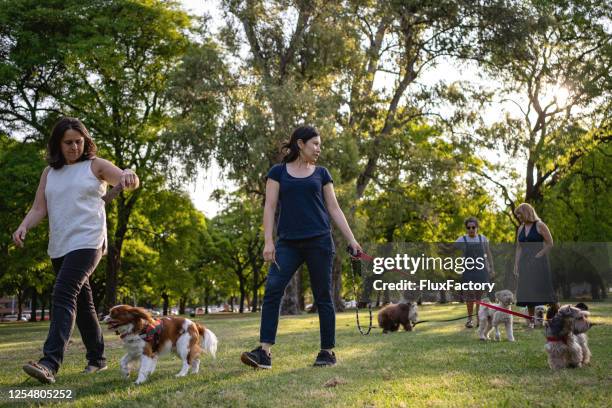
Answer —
391 316
566 340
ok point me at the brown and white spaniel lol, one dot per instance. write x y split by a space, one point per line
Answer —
145 339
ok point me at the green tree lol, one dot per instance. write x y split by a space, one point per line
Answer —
147 90
239 243
557 78
22 269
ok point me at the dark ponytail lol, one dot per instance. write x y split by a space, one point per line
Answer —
291 147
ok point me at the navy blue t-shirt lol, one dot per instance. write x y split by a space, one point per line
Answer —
302 207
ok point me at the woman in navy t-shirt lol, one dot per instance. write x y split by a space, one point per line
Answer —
307 201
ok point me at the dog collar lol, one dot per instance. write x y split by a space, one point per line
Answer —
556 339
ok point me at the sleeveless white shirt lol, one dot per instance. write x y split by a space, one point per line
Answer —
77 219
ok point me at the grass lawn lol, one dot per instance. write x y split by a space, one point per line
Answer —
439 364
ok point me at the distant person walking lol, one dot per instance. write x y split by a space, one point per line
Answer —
531 264
475 245
70 193
307 202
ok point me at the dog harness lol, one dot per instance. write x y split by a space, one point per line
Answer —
554 339
151 332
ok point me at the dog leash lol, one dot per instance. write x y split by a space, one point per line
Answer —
356 258
442 321
110 196
508 311
355 263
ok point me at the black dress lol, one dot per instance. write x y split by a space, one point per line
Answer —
535 285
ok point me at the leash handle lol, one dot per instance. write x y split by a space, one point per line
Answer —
354 254
110 196
358 255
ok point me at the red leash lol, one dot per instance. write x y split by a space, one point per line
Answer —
501 309
360 255
365 257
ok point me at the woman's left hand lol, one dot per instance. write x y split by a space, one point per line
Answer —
129 179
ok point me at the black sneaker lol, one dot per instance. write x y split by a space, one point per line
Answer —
90 369
325 358
40 372
257 358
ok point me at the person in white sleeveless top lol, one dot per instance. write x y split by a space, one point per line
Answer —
70 194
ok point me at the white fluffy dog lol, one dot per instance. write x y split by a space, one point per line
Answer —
491 319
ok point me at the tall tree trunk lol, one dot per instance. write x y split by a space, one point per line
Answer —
206 299
42 307
529 180
113 262
290 303
300 290
242 287
182 302
50 305
254 304
19 304
166 300
34 305
337 284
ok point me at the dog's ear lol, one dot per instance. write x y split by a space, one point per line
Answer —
582 306
554 326
140 313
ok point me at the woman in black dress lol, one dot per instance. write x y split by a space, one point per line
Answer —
531 265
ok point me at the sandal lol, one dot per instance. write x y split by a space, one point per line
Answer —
40 372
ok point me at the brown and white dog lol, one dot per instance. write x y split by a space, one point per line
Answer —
145 339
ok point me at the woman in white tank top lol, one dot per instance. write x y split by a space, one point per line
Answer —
70 193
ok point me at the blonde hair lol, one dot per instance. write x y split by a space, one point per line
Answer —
529 213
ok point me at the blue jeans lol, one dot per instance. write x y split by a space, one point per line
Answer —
318 253
72 300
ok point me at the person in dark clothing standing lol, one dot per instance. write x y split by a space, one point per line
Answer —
531 265
307 202
475 245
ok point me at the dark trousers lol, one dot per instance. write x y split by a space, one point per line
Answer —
72 299
318 253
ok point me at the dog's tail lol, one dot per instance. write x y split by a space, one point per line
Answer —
209 340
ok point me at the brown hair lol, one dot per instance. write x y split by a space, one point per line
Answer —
471 219
55 158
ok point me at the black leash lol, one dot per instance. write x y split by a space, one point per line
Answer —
442 321
356 267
